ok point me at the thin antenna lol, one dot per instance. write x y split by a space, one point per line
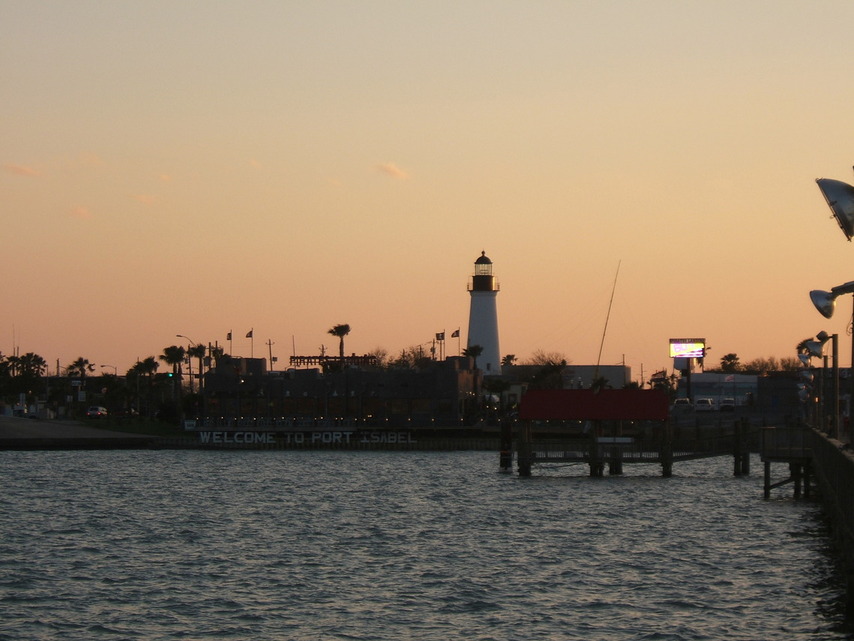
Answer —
611 302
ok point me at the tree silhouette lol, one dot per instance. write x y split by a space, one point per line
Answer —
340 331
79 367
473 351
730 363
174 356
198 351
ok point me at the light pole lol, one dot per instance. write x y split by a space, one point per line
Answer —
190 361
839 197
825 303
115 369
816 349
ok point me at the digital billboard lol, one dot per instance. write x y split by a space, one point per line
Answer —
687 347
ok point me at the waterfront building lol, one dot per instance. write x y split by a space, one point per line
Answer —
483 316
440 393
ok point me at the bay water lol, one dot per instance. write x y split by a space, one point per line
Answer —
203 545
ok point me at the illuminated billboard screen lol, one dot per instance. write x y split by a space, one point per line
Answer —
687 347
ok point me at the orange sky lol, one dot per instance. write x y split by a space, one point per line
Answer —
199 167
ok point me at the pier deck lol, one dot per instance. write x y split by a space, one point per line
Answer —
613 428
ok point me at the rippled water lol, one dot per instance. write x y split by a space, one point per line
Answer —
401 545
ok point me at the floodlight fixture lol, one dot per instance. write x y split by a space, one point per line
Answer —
840 199
825 302
814 348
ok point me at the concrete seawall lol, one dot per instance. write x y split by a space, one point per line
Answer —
33 434
833 468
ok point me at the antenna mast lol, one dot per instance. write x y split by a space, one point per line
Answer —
604 331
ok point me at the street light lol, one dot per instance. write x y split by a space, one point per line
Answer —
840 199
190 361
115 369
825 302
821 338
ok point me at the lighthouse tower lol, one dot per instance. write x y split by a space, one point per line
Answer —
483 316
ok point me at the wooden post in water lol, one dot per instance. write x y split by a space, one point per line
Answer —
523 456
741 451
667 451
505 456
796 471
615 457
597 466
767 484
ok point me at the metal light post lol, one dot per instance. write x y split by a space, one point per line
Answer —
839 197
825 303
190 361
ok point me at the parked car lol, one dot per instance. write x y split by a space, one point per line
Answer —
704 405
681 405
96 411
727 405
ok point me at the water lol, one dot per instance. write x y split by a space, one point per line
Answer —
401 545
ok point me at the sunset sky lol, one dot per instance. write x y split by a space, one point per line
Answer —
196 167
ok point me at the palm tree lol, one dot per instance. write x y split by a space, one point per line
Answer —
802 346
147 368
26 372
198 351
473 351
79 368
174 356
730 363
340 331
29 365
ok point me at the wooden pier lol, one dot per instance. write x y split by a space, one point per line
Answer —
613 428
791 446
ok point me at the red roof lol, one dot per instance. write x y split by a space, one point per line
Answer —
589 405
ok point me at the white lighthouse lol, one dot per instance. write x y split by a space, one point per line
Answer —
483 316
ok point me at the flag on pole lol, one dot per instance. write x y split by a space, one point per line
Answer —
228 338
249 334
455 333
440 336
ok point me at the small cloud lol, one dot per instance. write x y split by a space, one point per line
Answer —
145 199
82 213
390 169
21 170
